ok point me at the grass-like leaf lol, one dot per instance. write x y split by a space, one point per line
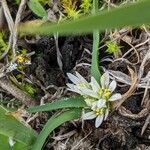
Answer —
60 104
133 14
4 145
53 123
11 127
37 8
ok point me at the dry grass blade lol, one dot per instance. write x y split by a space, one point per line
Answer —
134 81
136 52
141 70
8 15
123 78
17 20
146 94
120 76
10 23
2 18
78 144
64 136
127 113
147 121
59 56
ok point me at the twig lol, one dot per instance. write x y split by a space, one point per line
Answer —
10 23
133 48
127 113
16 92
131 90
8 15
59 56
2 18
17 20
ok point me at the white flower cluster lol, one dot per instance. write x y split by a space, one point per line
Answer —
11 67
97 97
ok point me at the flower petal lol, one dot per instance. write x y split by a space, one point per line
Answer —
106 114
11 142
73 78
81 78
90 102
94 105
73 88
89 92
112 85
101 103
115 97
105 80
99 120
88 116
94 84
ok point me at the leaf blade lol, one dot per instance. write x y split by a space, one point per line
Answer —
114 18
37 8
11 127
64 103
53 123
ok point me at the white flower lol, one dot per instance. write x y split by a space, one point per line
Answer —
11 142
99 111
98 97
106 89
79 83
80 86
11 67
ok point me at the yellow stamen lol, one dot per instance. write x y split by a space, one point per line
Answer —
99 111
107 93
22 59
104 93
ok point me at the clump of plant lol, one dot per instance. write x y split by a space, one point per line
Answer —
22 58
86 6
113 48
74 11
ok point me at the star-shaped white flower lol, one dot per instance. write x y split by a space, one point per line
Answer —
104 90
99 111
11 67
98 97
107 88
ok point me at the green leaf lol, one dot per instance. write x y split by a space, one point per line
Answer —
37 8
11 127
134 14
4 142
60 104
95 72
53 123
4 145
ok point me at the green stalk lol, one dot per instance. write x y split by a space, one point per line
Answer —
95 72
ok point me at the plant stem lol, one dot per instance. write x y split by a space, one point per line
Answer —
95 72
